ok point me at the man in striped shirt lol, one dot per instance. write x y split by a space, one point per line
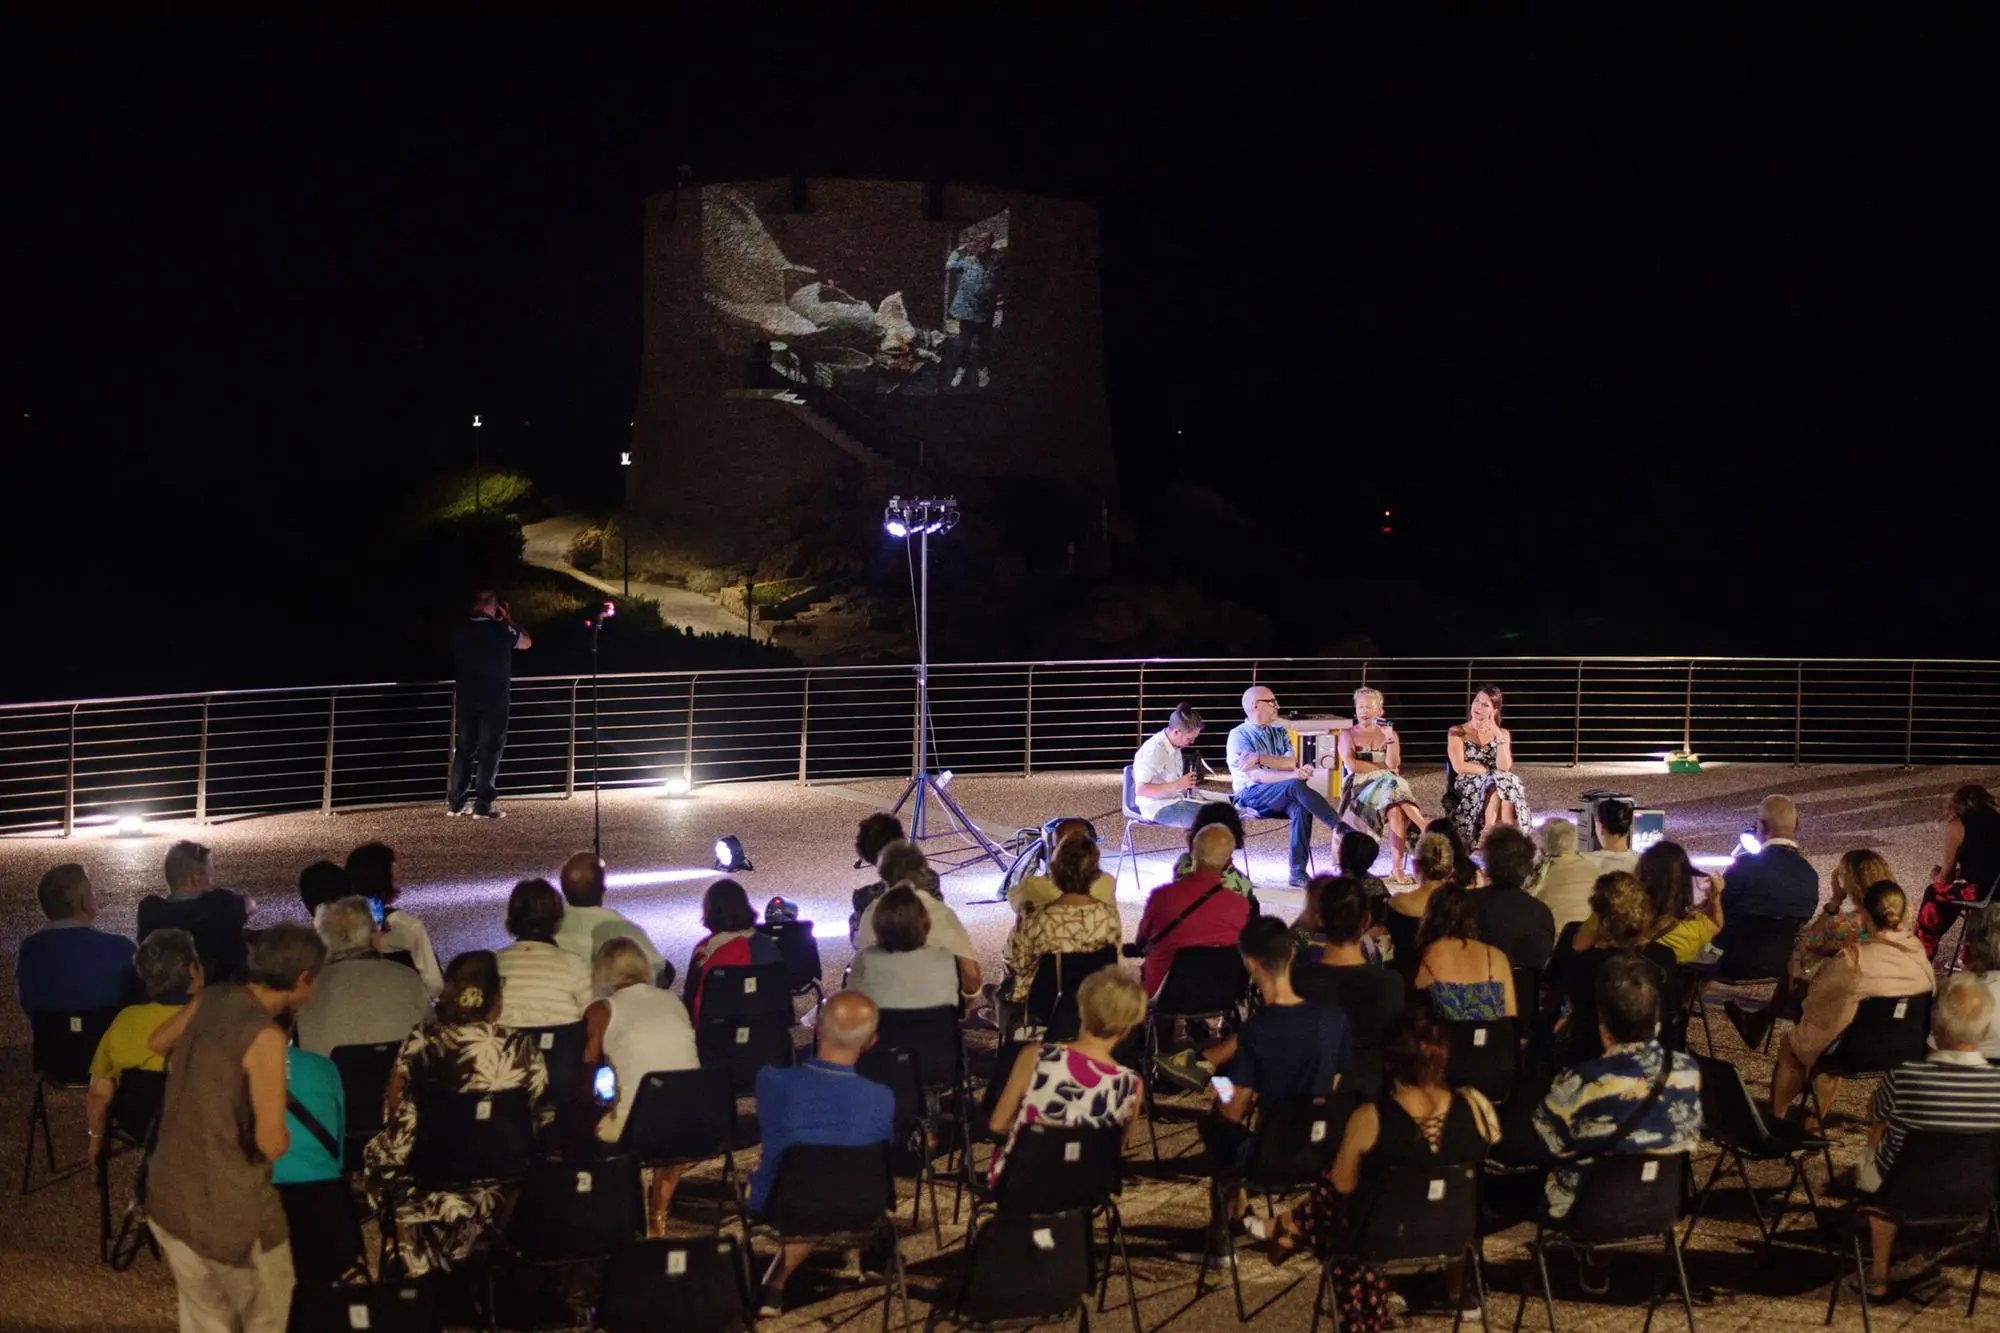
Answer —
1952 1090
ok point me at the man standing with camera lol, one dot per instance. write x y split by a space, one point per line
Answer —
482 650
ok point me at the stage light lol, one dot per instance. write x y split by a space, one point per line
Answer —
895 527
675 786
931 516
131 826
729 855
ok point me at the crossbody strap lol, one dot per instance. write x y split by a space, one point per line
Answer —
1631 1121
1189 911
313 1126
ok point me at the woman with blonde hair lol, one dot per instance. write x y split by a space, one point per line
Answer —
1623 917
1376 793
1838 925
638 1028
1079 1081
1484 790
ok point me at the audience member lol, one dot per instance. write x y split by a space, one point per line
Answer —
733 939
1620 923
1464 870
1482 790
1357 862
905 862
1774 884
1166 787
213 916
1369 994
638 1029
362 998
1982 962
1564 877
870 837
464 1048
1270 780
1952 1091
1890 962
1469 981
1077 1082
1193 912
902 969
315 1113
1033 891
209 1197
1376 796
1224 814
587 923
1403 916
1076 922
1520 926
70 966
545 986
374 872
170 970
1667 876
1614 839
320 883
1970 867
820 1102
1838 925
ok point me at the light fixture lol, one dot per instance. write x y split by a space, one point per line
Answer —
729 857
925 517
131 826
1749 843
475 418
675 786
624 458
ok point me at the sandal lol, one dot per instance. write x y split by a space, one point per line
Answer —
1280 1236
1885 1296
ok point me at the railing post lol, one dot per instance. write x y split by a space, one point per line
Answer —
451 745
1576 722
1028 741
1364 673
326 771
1799 718
1139 721
805 723
687 741
69 782
201 767
569 778
1910 722
1687 711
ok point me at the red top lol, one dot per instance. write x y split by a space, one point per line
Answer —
1219 921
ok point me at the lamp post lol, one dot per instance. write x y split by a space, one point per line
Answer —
625 524
478 498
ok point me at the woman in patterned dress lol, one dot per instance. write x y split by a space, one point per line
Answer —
1484 791
1076 922
1076 1082
461 1049
1376 793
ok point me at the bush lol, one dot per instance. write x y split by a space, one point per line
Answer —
498 493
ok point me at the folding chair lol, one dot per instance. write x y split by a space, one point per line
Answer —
933 1036
573 1213
799 948
682 1118
1128 806
839 1197
1419 1217
1051 1003
1888 1030
1940 1182
1022 1270
364 1083
403 1307
897 1070
1484 1055
464 1140
704 1282
1291 1147
132 1121
1762 957
325 1230
1626 1201
1733 1120
1203 983
1965 914
1063 1169
746 1022
63 1047
562 1055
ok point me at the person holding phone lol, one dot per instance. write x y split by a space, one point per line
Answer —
637 1029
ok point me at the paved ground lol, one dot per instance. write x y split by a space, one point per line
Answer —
547 545
659 850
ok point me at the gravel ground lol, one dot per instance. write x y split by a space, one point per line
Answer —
658 848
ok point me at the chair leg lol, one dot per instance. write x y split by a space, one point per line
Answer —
38 1115
1701 1196
103 1211
1979 1267
1320 1294
1861 1282
1152 1079
1548 1292
1681 1273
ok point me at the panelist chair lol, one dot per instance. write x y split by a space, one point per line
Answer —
1128 806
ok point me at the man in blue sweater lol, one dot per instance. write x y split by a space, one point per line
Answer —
70 966
1771 893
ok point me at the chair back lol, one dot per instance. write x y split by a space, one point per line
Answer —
1025 1268
562 1053
1208 979
64 1043
1057 1168
760 991
1940 1177
932 1035
1628 1197
1128 800
1527 991
799 948
1295 1139
681 1115
1051 1000
823 1191
1484 1055
464 1137
364 1080
741 1046
1420 1213
1888 1030
701 1280
570 1211
325 1230
1760 948
896 1069
401 1307
134 1113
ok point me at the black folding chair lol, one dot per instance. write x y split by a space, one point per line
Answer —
63 1047
1418 1217
937 1043
1938 1182
1762 956
1292 1145
703 1282
402 1307
325 1230
364 1083
132 1121
799 948
1625 1201
573 1213
1484 1055
746 1022
1888 1030
1066 1168
897 1070
464 1141
1735 1122
682 1118
1205 983
842 1197
1022 1270
1966 911
562 1055
1050 1008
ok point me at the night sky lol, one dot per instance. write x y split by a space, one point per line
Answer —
1655 340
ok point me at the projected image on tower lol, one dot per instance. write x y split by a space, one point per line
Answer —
884 314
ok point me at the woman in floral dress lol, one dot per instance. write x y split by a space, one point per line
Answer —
1484 790
1076 1082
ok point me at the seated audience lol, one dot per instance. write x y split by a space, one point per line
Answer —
1076 922
733 939
870 837
1166 785
1614 839
902 969
1271 781
1890 962
1033 891
1367 993
373 872
546 987
1195 911
1518 925
1969 868
361 997
1464 870
1620 921
215 917
320 883
1357 862
1076 1082
1403 916
317 1150
1775 884
1678 925
1564 877
170 970
1376 796
1982 964
1468 980
1590 1109
638 1029
904 863
819 1102
464 1048
70 966
1836 926
1223 813
587 923
1952 1090
209 1197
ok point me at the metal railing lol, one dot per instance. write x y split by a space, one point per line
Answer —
239 752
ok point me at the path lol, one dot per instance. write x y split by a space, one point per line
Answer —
547 547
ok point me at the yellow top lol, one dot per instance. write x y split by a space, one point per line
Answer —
123 1045
1687 938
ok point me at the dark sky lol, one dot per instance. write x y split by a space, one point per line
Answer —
1678 325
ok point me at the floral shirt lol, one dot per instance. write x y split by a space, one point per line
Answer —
1060 927
1588 1105
1824 936
1070 1088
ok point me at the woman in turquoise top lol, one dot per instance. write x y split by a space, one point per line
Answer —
314 1082
1468 981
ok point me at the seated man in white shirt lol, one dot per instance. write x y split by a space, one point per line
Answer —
1614 839
1165 789
587 922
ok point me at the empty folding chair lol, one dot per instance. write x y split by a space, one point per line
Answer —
1484 1055
1418 1217
1022 1270
364 1082
1065 1168
703 1282
897 1070
400 1307
130 1123
63 1046
1939 1182
325 1231
1735 1122
936 1039
1625 1202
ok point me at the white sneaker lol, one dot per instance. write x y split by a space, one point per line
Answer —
958 377
984 378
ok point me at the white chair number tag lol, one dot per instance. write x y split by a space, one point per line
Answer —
483 1111
677 1263
1436 1191
743 1036
1319 1131
357 1316
1902 1008
1479 1036
1072 1152
1649 1172
76 1024
583 1182
548 1041
1045 1239
749 985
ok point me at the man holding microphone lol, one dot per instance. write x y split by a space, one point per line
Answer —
1162 791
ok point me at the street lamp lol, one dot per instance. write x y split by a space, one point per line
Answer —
478 499
625 528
